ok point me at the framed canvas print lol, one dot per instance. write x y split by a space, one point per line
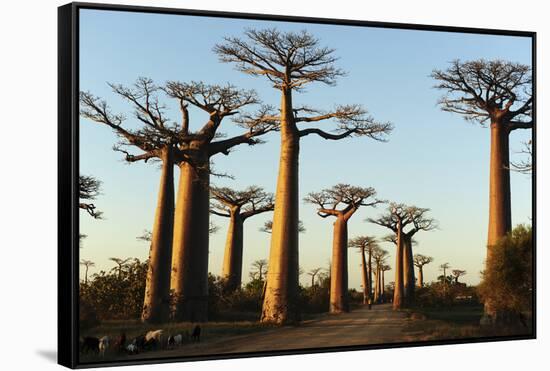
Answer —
236 185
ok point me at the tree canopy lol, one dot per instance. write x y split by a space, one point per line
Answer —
482 91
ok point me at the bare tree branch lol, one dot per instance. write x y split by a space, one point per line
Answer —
252 201
289 59
351 197
484 91
420 260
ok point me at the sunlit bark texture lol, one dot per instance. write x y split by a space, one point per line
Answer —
290 61
238 206
367 246
189 279
420 261
497 93
341 202
155 139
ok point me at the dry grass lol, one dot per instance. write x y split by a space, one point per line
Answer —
461 322
210 331
136 328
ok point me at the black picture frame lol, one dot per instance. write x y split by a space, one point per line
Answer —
68 170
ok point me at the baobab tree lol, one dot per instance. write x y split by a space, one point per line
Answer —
419 222
420 261
365 245
189 278
259 269
87 264
349 199
443 267
457 273
88 189
498 93
396 219
313 273
156 139
290 61
121 264
238 206
383 269
379 257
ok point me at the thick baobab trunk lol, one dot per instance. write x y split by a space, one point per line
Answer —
399 288
189 282
500 218
281 298
233 257
420 276
339 301
364 276
408 269
86 276
156 305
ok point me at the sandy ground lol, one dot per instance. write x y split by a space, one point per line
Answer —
381 325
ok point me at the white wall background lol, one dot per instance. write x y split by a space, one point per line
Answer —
28 62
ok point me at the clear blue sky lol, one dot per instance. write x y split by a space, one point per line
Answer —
433 159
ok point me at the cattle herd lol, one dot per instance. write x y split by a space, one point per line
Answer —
152 340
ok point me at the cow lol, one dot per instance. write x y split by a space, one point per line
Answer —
90 344
196 334
103 345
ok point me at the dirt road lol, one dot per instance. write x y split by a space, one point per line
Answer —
381 325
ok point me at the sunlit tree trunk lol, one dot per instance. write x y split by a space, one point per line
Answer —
369 291
421 276
233 257
377 284
500 218
189 282
281 298
339 301
156 305
383 287
408 269
399 288
364 276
